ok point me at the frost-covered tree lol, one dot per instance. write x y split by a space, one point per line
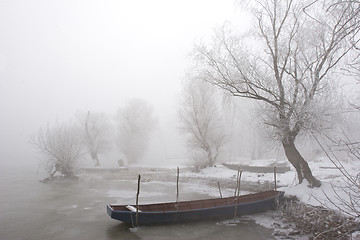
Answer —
343 144
202 122
61 146
135 122
96 133
353 67
287 63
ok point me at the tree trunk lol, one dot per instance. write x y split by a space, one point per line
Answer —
210 159
95 159
301 166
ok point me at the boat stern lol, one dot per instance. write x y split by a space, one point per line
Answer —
109 210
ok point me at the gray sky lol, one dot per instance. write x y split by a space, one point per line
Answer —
60 56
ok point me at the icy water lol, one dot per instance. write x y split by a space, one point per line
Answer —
30 209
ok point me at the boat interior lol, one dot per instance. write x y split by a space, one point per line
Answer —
197 204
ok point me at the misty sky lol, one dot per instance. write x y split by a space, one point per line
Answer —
60 56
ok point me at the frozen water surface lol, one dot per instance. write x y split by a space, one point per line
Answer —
77 210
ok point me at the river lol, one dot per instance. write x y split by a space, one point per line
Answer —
30 209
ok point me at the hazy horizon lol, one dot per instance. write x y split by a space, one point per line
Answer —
59 57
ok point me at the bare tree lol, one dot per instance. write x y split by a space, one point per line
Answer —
353 67
286 63
346 197
61 145
344 143
201 120
96 133
135 123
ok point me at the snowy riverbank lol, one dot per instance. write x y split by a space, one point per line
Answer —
250 182
317 200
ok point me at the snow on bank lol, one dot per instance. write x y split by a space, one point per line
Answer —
332 192
331 178
199 182
330 195
160 182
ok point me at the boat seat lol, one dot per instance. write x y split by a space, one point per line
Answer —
131 208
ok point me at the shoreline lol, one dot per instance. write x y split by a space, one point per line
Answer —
292 220
169 175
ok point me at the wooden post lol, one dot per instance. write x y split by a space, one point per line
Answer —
275 177
237 182
277 194
238 191
177 189
137 202
219 189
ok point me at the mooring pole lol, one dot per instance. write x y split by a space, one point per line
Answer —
238 191
137 202
237 182
275 186
219 189
239 185
177 189
275 177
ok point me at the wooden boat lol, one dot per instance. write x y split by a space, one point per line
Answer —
257 169
187 211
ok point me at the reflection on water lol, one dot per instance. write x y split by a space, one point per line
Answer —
200 230
77 210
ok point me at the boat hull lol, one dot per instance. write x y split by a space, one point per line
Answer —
201 214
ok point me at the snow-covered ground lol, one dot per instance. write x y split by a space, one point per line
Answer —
322 169
204 183
330 195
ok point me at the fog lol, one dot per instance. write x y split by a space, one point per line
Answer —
58 57
70 68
